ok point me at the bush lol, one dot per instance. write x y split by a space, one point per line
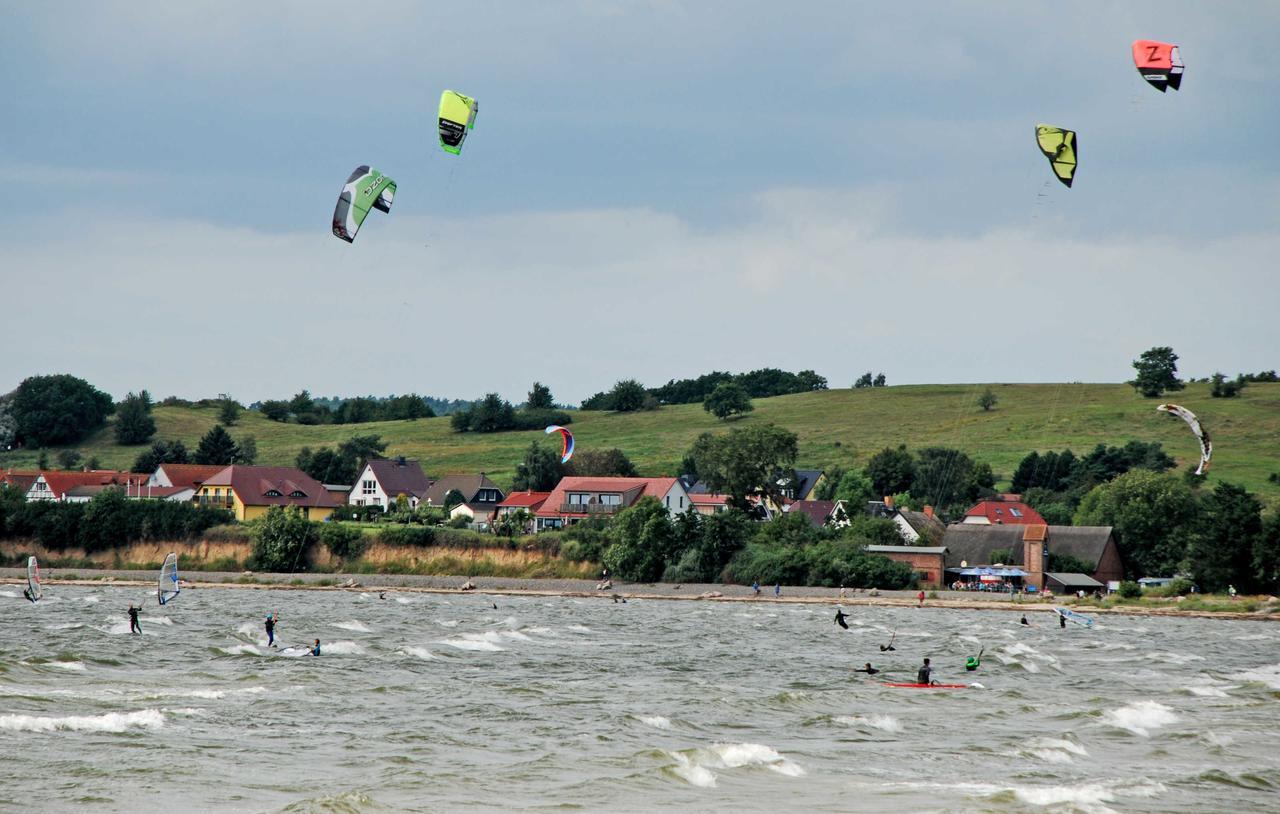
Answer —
280 540
345 542
402 536
1130 589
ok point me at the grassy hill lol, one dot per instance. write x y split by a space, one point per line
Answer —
835 427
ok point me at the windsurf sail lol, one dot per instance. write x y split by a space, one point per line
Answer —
168 588
1078 618
34 591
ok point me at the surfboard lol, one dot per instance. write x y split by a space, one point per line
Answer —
925 686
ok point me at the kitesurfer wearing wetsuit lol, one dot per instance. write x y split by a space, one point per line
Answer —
925 674
869 670
1062 620
270 625
315 651
1024 620
840 618
134 627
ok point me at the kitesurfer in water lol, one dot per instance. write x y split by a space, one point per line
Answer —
869 670
889 646
1024 620
925 674
134 627
271 629
1062 620
315 650
973 662
840 618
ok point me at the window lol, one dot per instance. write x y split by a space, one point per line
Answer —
611 500
297 493
272 493
1015 513
682 501
579 498
667 501
368 487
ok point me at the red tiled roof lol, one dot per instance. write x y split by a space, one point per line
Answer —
62 482
708 499
252 484
19 478
524 500
190 475
631 489
1007 513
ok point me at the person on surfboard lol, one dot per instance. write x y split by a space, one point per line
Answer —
270 625
315 650
840 618
134 627
925 674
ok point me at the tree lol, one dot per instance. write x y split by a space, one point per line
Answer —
856 490
644 542
540 470
42 461
161 452
864 380
302 403
275 409
281 539
327 465
744 461
229 412
1224 389
1266 555
1221 550
246 451
69 459
987 400
361 448
810 381
948 477
1157 372
601 463
8 424
627 396
216 447
60 409
134 424
540 397
1151 515
891 471
879 380
728 399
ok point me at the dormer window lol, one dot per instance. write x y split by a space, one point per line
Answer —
297 493
272 493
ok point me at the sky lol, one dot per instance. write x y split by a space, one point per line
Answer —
652 190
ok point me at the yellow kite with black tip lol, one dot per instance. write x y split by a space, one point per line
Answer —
1061 148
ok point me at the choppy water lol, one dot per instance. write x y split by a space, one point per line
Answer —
440 703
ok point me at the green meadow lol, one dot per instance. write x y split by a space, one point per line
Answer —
836 427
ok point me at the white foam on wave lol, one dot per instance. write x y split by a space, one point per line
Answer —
240 650
1214 739
1267 674
404 600
1140 717
204 694
695 765
1252 637
419 652
655 721
579 628
1208 692
91 599
341 648
1173 658
73 666
885 723
65 626
480 642
1055 750
354 626
110 722
10 594
447 622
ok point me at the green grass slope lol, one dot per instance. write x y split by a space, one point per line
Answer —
835 427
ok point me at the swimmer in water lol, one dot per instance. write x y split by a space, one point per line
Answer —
869 670
840 618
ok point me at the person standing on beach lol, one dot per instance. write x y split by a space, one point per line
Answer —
134 627
755 586
920 599
777 590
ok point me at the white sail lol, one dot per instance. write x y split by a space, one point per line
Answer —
168 588
33 580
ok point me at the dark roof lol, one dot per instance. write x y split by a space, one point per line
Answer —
930 528
273 486
906 549
467 486
973 543
399 476
1074 581
816 510
805 480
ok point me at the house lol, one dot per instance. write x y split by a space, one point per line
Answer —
191 475
383 480
1031 549
1067 583
1006 510
250 491
577 498
87 492
928 562
803 487
480 496
18 479
821 512
526 501
708 503
56 485
915 527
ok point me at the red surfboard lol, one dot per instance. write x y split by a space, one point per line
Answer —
927 686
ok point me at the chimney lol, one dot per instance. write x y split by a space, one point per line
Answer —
400 461
928 511
888 501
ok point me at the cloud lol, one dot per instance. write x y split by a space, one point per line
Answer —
579 299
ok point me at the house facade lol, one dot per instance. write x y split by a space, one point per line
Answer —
821 512
57 485
915 527
251 491
384 480
928 562
577 498
1031 549
190 475
480 495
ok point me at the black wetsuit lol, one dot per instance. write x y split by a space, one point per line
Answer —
869 670
1062 620
924 674
271 631
840 619
27 593
134 627
1025 622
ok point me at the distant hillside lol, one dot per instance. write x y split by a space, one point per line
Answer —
835 427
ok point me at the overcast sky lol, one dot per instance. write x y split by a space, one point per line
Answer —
652 190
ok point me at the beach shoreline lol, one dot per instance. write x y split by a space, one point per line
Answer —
587 589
